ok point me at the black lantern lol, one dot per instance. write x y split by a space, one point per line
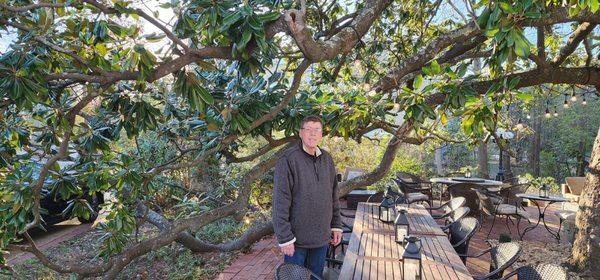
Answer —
544 190
412 267
387 210
401 227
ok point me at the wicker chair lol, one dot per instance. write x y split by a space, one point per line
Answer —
448 207
466 190
290 271
414 188
503 256
455 216
461 233
489 208
539 272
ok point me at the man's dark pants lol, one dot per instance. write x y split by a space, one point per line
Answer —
313 258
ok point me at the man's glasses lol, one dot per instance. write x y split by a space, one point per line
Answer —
313 130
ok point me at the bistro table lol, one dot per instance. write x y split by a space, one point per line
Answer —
490 185
373 254
541 213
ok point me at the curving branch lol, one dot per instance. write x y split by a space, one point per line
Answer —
582 31
231 158
343 41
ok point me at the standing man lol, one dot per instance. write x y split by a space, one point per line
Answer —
306 209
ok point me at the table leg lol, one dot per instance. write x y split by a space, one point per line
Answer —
540 216
557 234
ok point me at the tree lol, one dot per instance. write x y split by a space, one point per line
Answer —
586 247
81 76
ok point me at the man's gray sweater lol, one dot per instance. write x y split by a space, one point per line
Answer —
305 198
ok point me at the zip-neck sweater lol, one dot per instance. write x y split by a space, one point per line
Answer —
305 198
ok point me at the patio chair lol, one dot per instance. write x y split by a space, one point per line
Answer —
572 188
466 190
414 188
489 208
461 233
564 215
502 256
456 216
510 192
448 207
539 272
290 271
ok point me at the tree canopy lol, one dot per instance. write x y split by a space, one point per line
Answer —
82 75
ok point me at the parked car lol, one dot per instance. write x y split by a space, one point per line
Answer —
56 209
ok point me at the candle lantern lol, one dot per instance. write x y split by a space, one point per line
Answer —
468 173
401 227
412 266
387 210
545 190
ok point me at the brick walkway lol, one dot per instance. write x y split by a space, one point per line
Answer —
265 255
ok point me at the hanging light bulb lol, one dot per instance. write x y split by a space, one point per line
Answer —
566 104
528 117
573 97
548 115
583 102
555 112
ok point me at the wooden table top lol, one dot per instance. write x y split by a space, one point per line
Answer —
373 253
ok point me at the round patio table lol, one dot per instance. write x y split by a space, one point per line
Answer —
490 185
541 214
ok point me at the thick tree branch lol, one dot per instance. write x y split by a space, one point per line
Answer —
343 41
231 158
578 35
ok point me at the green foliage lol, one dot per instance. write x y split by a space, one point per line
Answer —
538 182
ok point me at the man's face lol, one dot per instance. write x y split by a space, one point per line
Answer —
311 134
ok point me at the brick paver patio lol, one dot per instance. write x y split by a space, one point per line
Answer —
265 255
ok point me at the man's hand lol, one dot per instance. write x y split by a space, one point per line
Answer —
337 238
288 250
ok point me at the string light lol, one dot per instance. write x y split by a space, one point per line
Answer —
566 104
583 102
555 112
528 117
548 115
573 97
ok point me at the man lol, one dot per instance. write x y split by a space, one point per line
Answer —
306 210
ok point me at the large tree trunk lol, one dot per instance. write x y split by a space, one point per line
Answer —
586 247
482 159
534 159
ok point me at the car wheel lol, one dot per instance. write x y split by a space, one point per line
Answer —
95 202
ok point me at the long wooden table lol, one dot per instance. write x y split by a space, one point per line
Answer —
373 253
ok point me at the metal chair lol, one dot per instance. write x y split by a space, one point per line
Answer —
539 272
461 233
448 207
489 208
290 271
455 216
510 193
466 190
503 256
414 188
